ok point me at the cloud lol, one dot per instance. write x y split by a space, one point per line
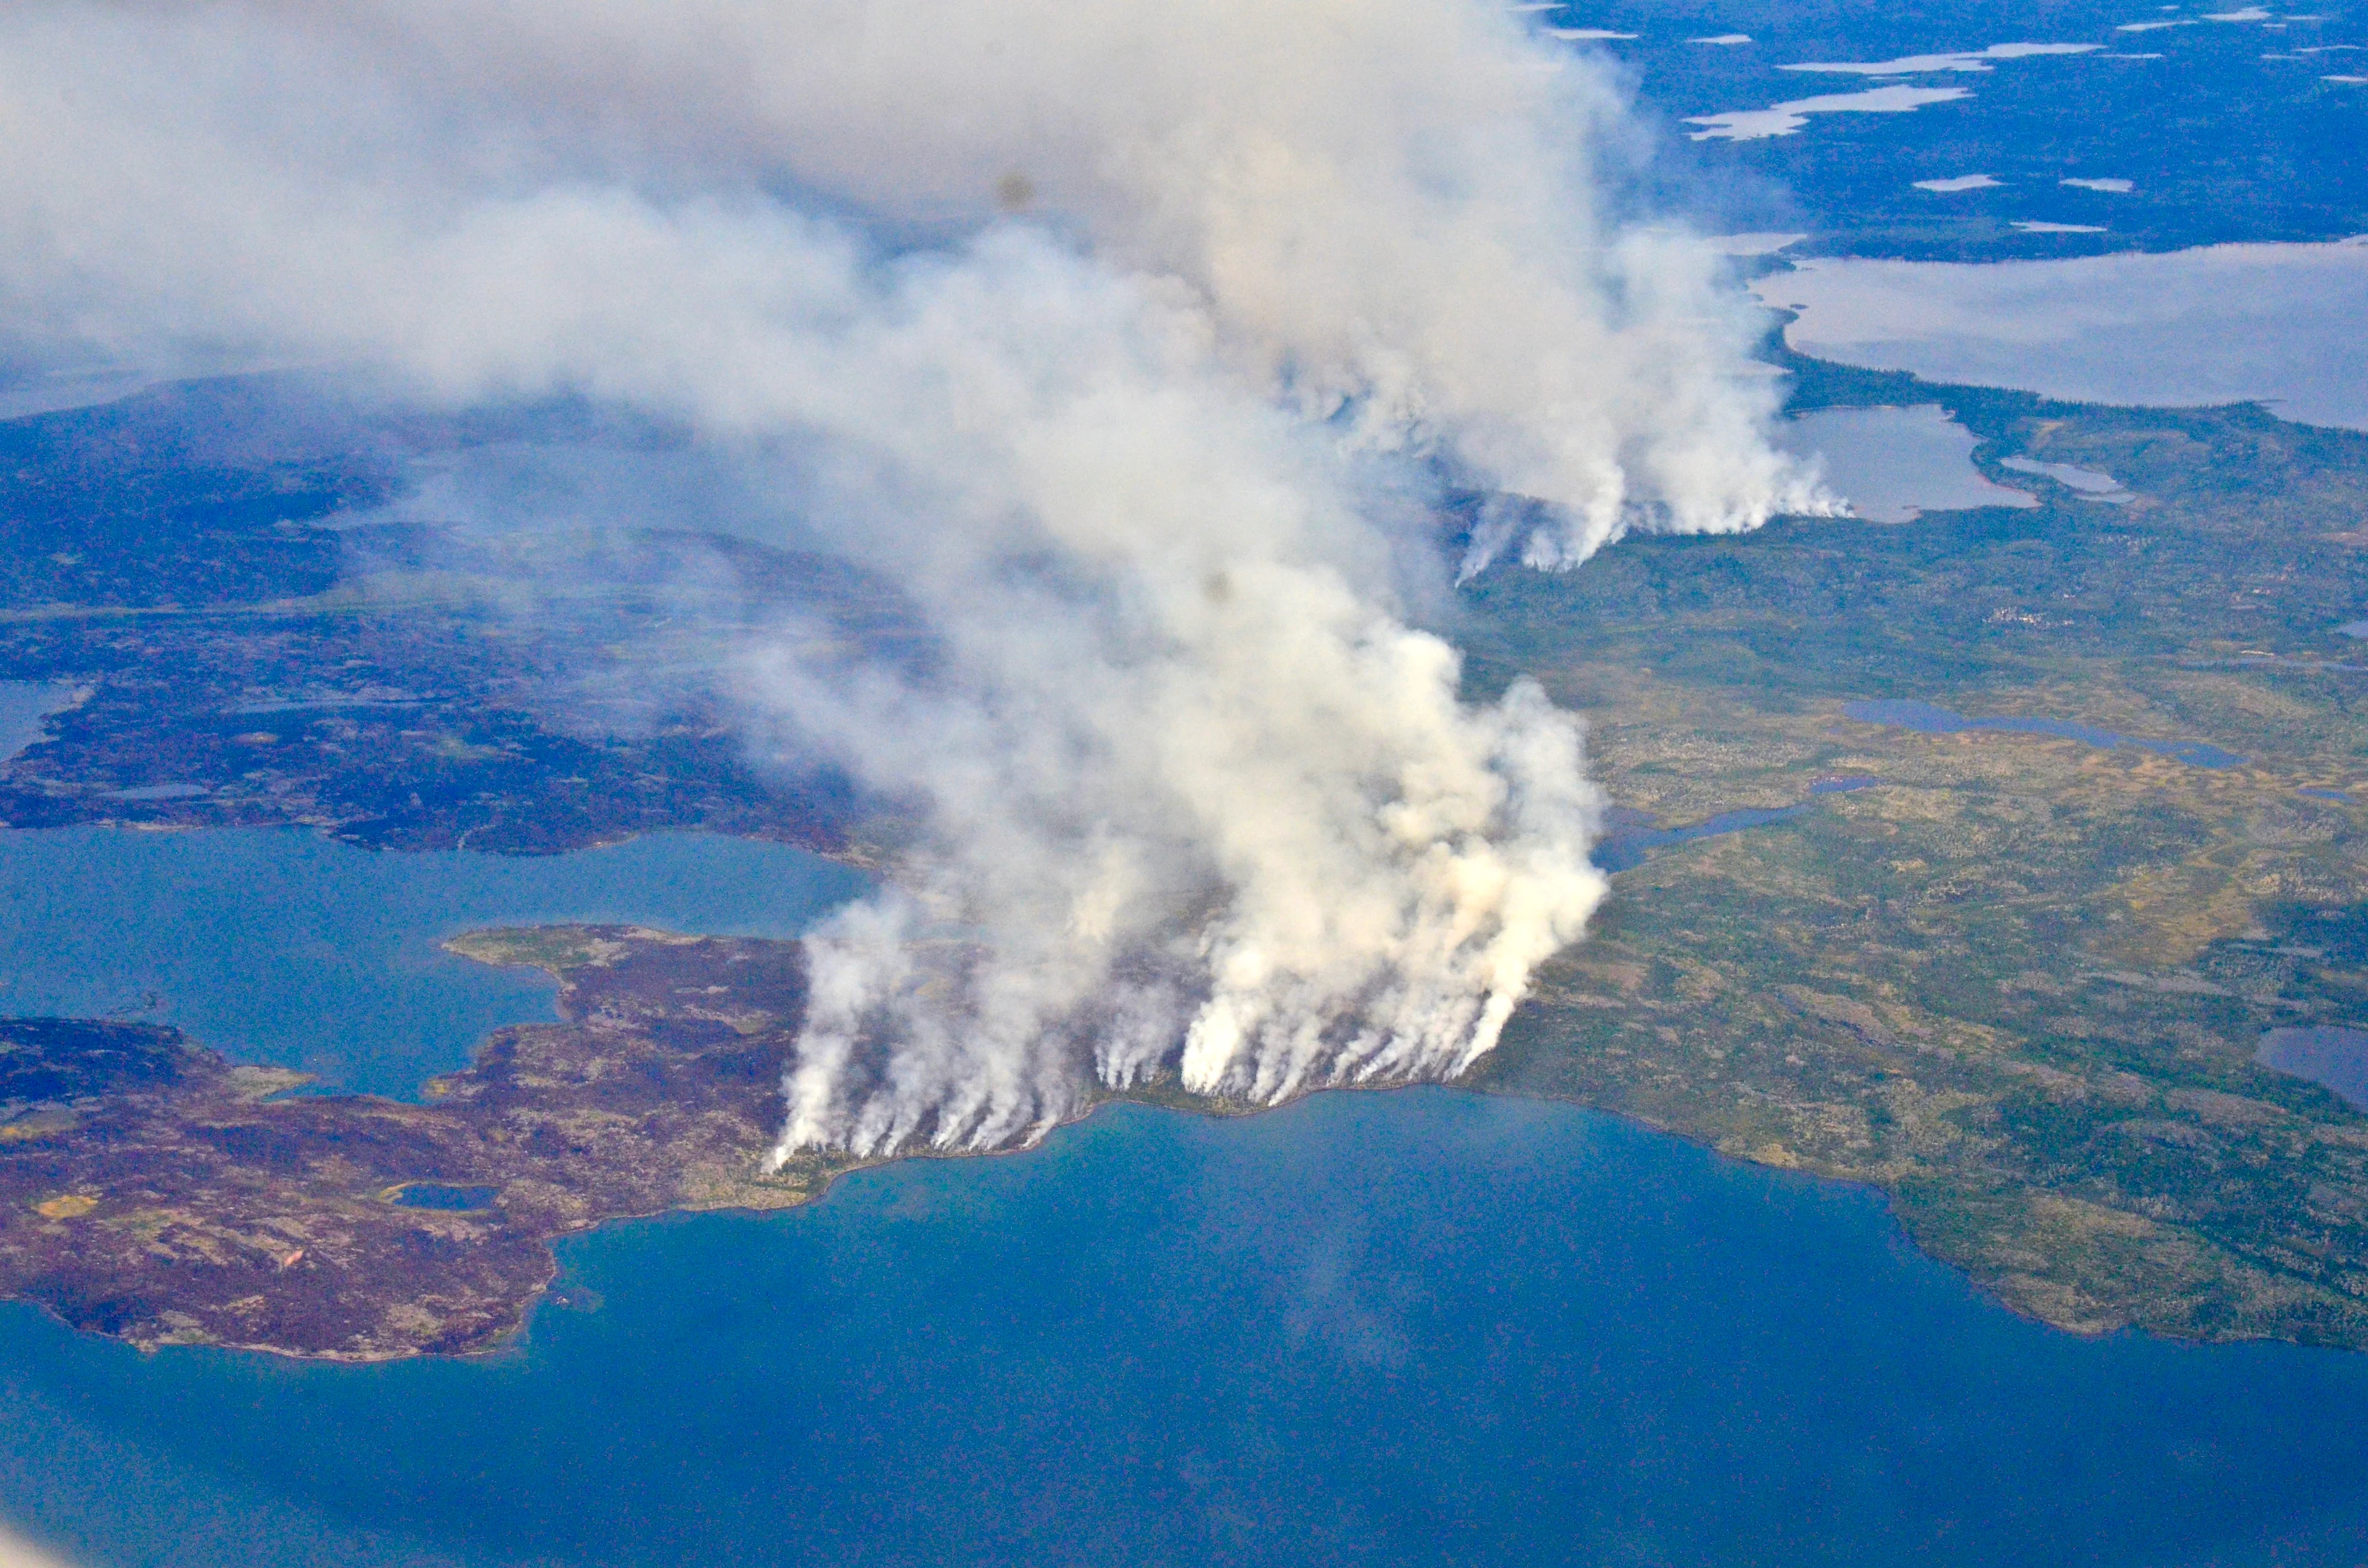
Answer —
1131 345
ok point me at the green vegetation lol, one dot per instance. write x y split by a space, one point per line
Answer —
555 948
2018 982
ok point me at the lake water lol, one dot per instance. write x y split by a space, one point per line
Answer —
2212 324
1631 835
1927 719
2086 482
1416 1327
23 705
1893 464
282 946
1625 847
439 1195
2332 1057
1789 117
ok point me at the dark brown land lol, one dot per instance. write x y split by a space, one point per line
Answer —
2017 980
150 1191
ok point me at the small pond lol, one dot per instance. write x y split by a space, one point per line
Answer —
2330 1057
1927 719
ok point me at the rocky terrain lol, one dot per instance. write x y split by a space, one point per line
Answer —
152 1191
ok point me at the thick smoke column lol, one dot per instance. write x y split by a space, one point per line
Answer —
1124 339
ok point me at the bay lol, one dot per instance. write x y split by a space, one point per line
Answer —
1895 464
1426 1326
2204 325
282 946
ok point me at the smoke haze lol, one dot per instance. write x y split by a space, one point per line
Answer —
1131 343
17 1553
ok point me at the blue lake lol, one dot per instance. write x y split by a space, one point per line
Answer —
1926 719
1625 850
2329 1056
437 1194
1893 464
1632 836
1424 1327
23 705
282 947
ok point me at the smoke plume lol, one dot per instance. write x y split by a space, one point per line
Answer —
1131 342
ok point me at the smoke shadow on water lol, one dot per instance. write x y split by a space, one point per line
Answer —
1417 1326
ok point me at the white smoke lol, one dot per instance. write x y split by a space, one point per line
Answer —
1124 339
15 1552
